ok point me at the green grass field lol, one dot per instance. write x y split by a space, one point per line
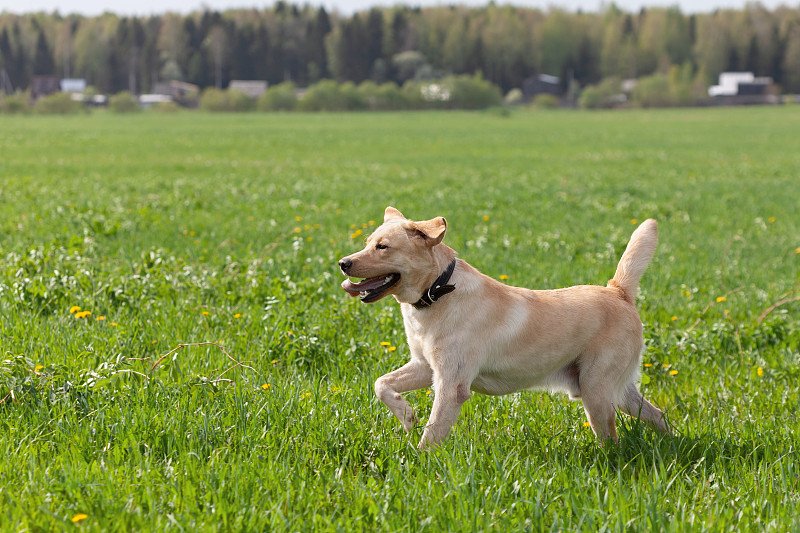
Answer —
223 231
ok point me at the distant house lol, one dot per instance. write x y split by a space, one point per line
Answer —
252 88
44 85
73 85
740 84
147 101
175 88
541 84
181 92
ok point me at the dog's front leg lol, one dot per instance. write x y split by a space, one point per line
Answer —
414 375
446 408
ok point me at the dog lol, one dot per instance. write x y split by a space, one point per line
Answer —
469 332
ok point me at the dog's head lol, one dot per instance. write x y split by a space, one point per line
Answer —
401 257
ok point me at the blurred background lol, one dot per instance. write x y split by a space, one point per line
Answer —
581 53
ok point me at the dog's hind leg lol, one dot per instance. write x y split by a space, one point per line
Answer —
602 416
596 377
634 404
414 375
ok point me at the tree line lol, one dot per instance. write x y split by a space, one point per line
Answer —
304 44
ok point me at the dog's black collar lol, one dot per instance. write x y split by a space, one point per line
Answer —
438 289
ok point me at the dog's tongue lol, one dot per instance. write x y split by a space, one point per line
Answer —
354 289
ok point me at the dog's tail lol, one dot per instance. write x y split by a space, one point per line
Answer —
634 261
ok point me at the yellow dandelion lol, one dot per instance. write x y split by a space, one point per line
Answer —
297 230
307 395
298 218
667 365
771 220
83 314
205 313
352 226
486 218
384 343
101 317
273 361
307 227
335 389
673 372
587 425
237 315
153 342
79 518
648 365
266 386
634 221
760 372
74 309
364 226
371 222
674 318
391 348
192 233
308 239
112 324
687 293
797 250
721 299
38 367
503 277
428 392
291 332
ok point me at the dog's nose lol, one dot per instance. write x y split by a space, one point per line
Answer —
345 264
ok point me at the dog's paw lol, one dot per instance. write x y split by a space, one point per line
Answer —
410 421
426 445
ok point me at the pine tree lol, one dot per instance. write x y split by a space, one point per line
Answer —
260 54
7 65
43 64
318 30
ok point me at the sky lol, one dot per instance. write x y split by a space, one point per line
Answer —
347 7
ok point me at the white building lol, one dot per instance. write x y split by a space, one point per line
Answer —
729 83
73 85
252 88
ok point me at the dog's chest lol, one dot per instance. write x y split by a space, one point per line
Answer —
422 327
416 327
430 331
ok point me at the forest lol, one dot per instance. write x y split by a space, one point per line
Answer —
304 44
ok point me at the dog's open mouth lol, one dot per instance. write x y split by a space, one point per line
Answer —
371 289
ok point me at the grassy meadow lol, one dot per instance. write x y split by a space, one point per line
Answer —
176 353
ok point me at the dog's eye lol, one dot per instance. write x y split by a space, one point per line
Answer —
380 246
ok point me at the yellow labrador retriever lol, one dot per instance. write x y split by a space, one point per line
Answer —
469 332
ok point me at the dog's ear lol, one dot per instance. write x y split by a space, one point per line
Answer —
432 230
392 213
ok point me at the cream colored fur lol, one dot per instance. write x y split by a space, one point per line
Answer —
495 339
